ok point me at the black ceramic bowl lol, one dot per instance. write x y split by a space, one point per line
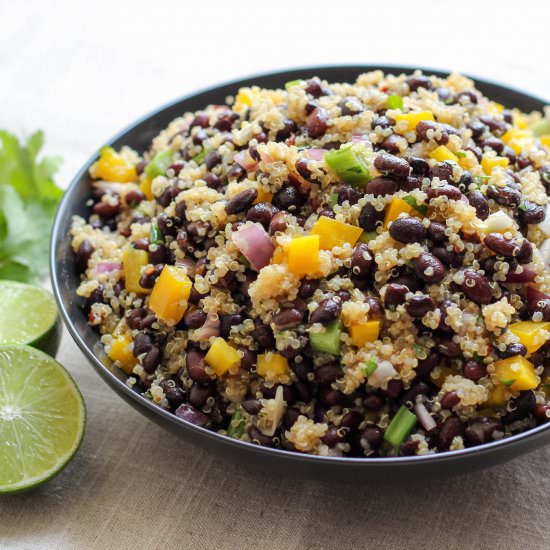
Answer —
65 280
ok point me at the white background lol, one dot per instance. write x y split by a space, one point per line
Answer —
83 70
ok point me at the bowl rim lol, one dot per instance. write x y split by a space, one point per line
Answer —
64 210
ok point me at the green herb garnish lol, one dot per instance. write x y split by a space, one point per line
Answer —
411 201
350 164
198 159
292 84
155 236
237 425
28 200
395 102
159 164
370 366
333 200
460 154
400 426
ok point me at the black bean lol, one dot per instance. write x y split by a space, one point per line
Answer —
531 213
425 366
408 230
257 437
307 288
445 95
450 400
328 310
134 197
263 335
391 165
418 306
287 318
476 151
314 87
351 106
512 350
381 186
330 396
212 180
382 122
212 159
410 183
448 348
408 280
371 437
302 168
507 196
479 202
278 223
525 254
261 213
252 406
373 402
196 367
520 407
418 81
192 415
347 193
391 144
152 359
481 430
317 123
451 428
168 195
395 295
290 416
147 321
443 171
175 396
328 373
351 420
227 321
502 246
409 447
361 260
289 127
474 370
200 137
436 232
448 257
375 309
106 210
83 253
370 218
333 436
198 394
236 173
202 120
241 201
498 127
469 95
288 198
142 343
418 388
134 317
225 121
428 268
476 287
449 191
419 166
157 253
424 126
494 143
477 128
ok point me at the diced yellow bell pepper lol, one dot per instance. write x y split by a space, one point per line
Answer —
272 366
334 233
145 188
517 373
243 98
489 163
263 195
438 375
442 153
170 294
532 334
365 332
545 140
520 120
498 396
121 351
414 118
303 255
223 357
279 256
133 260
398 206
112 166
517 139
495 107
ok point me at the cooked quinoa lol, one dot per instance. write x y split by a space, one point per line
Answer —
344 269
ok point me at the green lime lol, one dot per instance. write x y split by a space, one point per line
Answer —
42 417
28 315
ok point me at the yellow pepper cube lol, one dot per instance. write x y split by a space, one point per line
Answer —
442 153
263 195
545 140
146 188
303 255
133 261
243 98
364 333
222 357
272 366
121 351
531 334
414 118
112 166
398 206
334 233
498 396
170 294
490 163
517 373
495 107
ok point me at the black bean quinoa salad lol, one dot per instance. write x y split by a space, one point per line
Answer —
336 269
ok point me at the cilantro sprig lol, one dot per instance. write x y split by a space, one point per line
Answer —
28 199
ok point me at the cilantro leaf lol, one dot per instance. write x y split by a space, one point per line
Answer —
28 199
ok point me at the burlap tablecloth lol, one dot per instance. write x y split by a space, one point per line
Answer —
83 70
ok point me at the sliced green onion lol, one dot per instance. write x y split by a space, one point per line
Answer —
327 341
237 425
508 382
421 208
460 154
292 84
197 159
159 164
333 200
156 236
367 236
350 164
400 426
541 127
370 366
395 102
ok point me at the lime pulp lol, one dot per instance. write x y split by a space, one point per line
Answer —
42 418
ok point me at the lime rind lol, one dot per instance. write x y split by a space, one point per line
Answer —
42 418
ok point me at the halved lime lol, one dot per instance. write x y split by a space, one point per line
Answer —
28 315
42 417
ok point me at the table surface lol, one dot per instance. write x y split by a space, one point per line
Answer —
83 70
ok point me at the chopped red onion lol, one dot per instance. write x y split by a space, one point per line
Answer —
245 161
211 327
108 267
424 417
315 153
255 245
